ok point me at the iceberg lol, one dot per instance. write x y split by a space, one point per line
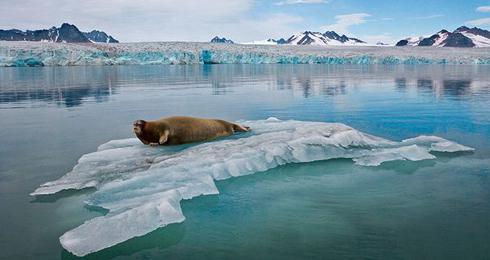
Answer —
141 187
21 54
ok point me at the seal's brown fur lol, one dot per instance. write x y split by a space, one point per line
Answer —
182 129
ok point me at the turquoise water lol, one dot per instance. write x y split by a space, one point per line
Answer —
436 209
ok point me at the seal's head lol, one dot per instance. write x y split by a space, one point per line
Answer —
138 127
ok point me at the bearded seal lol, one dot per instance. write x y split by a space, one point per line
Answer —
182 129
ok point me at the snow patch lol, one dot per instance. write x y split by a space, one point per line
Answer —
440 40
478 40
261 42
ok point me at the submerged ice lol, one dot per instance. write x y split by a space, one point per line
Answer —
141 186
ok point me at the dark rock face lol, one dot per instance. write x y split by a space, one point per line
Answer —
335 36
70 33
217 39
458 40
474 30
356 40
66 33
98 36
429 41
281 41
402 43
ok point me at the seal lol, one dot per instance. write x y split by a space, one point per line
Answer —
182 129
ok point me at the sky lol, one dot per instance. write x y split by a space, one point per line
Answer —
247 20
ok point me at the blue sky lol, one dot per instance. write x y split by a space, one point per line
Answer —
248 20
392 19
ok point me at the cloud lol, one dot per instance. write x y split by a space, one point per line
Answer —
387 19
150 20
295 2
482 21
479 22
483 9
275 26
427 17
343 22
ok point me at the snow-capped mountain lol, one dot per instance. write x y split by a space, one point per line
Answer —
344 39
461 37
480 37
217 39
99 36
317 38
312 38
65 33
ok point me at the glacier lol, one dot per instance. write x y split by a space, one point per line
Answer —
31 54
141 187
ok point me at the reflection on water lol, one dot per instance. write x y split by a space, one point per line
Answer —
62 86
68 97
72 86
446 87
457 87
424 83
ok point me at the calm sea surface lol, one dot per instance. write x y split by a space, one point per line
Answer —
436 209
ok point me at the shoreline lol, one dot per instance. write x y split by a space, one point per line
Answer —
35 54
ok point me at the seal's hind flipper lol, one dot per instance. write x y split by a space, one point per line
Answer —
240 128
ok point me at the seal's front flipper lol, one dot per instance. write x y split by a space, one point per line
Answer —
163 138
240 128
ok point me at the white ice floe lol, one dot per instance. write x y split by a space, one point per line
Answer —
142 186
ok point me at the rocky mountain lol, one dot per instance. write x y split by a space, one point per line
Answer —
217 39
343 38
461 37
99 36
65 33
281 41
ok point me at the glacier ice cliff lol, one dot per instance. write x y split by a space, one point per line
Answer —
19 54
142 186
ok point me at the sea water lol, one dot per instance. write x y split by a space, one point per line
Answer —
328 209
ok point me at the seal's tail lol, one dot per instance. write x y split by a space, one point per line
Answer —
240 128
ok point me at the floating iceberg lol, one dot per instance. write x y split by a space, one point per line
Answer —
142 186
19 54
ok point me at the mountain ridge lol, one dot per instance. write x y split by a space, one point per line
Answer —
217 39
304 38
463 37
65 33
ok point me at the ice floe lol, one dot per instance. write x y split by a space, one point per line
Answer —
142 186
